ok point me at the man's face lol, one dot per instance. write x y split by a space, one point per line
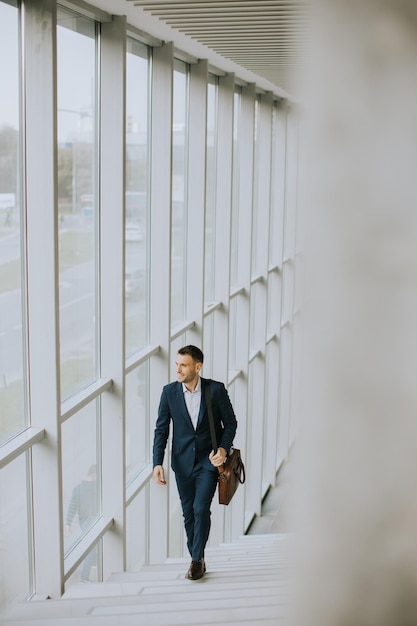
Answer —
187 368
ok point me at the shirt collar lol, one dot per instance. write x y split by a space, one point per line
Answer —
197 387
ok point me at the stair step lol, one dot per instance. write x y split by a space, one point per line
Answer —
233 616
145 585
263 615
50 609
169 572
246 583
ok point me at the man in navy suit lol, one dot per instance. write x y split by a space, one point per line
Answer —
193 459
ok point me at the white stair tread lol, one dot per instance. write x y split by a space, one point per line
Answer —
234 616
247 582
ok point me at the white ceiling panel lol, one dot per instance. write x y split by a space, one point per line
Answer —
269 38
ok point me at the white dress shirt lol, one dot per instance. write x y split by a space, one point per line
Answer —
193 401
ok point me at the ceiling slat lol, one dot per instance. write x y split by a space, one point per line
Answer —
267 37
224 3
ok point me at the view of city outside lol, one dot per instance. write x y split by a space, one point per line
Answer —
234 258
78 217
211 185
179 193
13 413
137 196
77 201
137 259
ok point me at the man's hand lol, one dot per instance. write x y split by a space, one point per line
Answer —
159 475
219 458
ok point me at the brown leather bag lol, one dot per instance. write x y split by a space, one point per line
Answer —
232 473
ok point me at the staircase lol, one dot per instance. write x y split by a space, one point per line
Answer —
246 584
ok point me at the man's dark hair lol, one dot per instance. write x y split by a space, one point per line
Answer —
194 352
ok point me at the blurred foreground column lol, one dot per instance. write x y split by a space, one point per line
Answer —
357 454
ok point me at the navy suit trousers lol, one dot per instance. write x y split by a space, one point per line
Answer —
196 494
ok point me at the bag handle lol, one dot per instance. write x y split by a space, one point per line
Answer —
241 472
211 423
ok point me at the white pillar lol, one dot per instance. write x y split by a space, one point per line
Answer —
42 268
196 198
223 223
246 156
112 222
160 264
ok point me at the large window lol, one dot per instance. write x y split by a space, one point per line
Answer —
137 531
15 557
77 201
256 175
137 420
13 416
81 465
137 197
234 253
78 250
179 193
211 185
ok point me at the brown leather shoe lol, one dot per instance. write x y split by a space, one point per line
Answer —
196 570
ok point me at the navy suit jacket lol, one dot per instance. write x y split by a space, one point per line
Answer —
187 443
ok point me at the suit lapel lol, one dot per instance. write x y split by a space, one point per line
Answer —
203 401
182 405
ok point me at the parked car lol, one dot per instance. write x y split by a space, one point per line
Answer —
133 280
133 232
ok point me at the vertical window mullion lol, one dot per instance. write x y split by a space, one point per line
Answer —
196 198
112 270
42 286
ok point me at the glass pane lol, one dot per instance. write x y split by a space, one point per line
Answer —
234 258
233 339
137 197
136 531
274 211
179 194
12 405
285 387
14 533
296 376
277 185
210 234
291 184
77 200
287 293
80 458
208 349
252 317
90 570
274 304
255 212
137 422
252 428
